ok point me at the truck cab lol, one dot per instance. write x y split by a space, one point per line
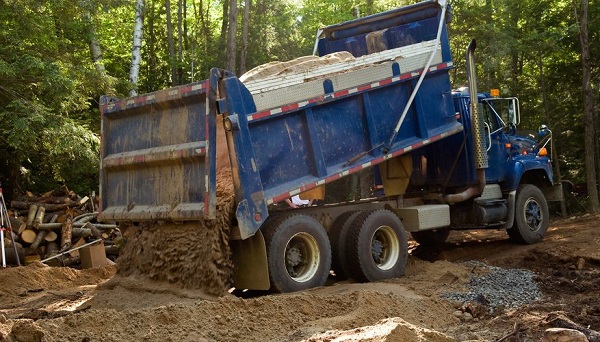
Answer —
519 179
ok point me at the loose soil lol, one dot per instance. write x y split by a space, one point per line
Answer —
40 303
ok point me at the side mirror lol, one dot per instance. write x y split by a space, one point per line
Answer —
543 131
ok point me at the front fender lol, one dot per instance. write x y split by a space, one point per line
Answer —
536 170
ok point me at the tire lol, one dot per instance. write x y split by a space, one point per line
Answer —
376 246
298 253
338 236
531 216
432 237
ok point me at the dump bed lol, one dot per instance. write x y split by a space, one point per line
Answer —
286 133
156 157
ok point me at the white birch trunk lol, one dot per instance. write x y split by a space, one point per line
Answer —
136 50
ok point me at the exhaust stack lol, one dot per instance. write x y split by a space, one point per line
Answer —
479 150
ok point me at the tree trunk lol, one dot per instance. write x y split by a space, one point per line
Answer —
95 50
136 49
553 153
224 26
369 9
231 36
171 42
180 41
588 109
243 57
152 61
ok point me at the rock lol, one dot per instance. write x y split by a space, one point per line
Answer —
563 335
27 330
580 263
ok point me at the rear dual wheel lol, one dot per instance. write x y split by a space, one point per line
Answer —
298 253
376 246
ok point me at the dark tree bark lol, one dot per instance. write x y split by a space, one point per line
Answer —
557 175
370 8
243 58
588 107
231 36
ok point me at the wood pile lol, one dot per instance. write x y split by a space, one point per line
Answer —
53 225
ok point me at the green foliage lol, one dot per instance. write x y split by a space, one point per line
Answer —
49 86
45 97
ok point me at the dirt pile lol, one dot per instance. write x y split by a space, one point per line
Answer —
63 304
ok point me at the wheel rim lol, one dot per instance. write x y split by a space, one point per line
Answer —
533 214
385 248
302 257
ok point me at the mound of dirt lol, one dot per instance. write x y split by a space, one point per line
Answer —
19 283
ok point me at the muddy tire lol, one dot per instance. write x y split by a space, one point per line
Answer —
376 246
432 237
338 236
531 216
298 253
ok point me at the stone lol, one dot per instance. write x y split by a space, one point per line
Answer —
563 335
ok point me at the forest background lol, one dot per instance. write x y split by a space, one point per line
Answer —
57 57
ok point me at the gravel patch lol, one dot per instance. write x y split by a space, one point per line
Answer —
508 288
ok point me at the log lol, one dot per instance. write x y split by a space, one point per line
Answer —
15 259
75 252
17 225
31 215
558 320
95 231
112 250
28 235
81 232
53 226
51 236
39 217
51 249
66 231
8 243
50 226
47 206
38 239
83 218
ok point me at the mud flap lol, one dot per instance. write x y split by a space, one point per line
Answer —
250 260
553 193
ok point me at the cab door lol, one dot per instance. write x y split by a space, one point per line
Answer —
497 143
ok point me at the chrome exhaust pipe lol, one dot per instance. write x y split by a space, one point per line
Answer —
477 130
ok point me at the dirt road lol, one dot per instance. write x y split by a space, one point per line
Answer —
39 303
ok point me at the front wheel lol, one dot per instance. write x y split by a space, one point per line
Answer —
376 246
298 253
531 216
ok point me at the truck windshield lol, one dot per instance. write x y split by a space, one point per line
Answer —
492 119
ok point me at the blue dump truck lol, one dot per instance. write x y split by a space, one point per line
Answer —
446 159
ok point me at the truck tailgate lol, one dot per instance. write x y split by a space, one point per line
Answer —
157 156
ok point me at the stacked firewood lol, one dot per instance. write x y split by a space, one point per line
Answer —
55 224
